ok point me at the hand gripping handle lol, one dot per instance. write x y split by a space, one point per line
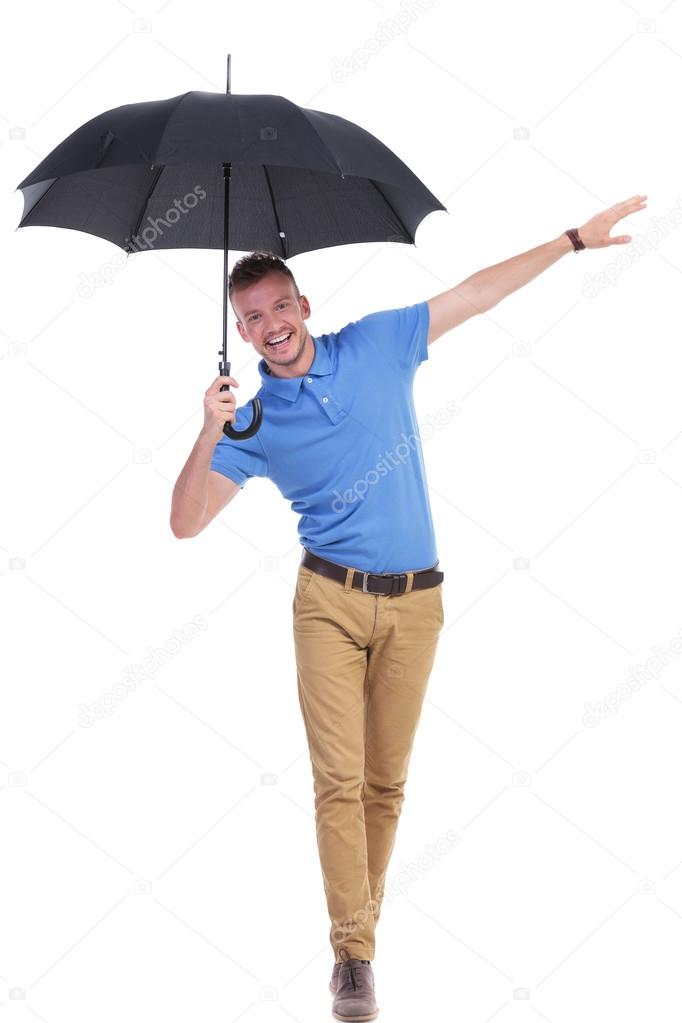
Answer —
256 405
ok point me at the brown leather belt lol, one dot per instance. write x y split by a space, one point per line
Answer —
372 582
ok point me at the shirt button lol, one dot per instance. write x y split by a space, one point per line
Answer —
325 398
310 380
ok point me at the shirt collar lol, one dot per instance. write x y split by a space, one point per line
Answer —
289 387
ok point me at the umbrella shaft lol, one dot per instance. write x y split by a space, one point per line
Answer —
226 227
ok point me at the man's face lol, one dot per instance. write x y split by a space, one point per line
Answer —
269 310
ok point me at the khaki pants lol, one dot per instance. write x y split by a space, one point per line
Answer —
363 664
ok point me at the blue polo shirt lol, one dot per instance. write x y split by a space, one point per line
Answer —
342 444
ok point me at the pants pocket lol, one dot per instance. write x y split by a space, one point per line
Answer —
305 581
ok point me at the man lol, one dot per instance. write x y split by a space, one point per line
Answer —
339 438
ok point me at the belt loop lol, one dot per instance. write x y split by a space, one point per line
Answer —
350 572
410 577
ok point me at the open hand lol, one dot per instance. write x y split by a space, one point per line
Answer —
595 233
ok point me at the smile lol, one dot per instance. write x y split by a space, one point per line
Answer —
281 342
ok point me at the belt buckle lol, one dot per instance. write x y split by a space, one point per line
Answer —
394 577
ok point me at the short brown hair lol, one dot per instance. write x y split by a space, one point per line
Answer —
254 267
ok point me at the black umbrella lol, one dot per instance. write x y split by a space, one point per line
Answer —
206 170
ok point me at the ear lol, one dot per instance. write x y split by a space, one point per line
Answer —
305 307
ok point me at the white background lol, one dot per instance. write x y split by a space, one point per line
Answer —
149 870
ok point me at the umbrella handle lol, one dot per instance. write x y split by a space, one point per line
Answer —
256 405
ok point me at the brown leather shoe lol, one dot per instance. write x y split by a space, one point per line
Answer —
353 986
333 983
335 977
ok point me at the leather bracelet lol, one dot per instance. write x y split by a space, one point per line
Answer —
576 240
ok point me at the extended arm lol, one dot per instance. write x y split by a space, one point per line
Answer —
485 289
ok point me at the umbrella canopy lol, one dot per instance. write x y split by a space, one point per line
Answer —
300 179
213 171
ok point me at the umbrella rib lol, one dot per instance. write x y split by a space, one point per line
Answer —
274 211
38 201
393 211
145 204
104 146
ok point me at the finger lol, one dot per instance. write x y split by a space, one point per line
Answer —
621 239
622 210
633 199
224 414
219 381
638 202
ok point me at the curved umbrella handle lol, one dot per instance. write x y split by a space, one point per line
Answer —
253 427
256 405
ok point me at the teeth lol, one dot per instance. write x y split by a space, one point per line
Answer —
276 339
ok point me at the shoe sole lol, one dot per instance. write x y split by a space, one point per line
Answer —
355 1019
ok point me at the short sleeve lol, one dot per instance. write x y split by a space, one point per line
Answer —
402 333
240 459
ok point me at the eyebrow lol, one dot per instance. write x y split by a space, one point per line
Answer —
274 303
